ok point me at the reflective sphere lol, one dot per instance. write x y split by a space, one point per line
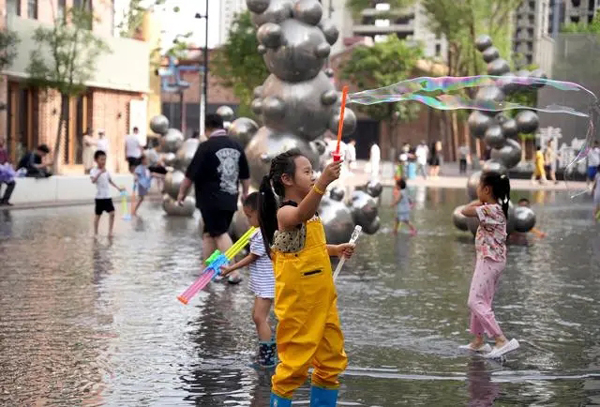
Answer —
308 11
373 227
257 6
494 166
186 153
460 220
527 121
171 141
490 54
329 72
172 209
483 42
329 97
320 146
500 118
510 128
258 91
509 154
472 184
239 225
173 182
269 35
510 222
159 124
493 136
490 93
266 145
337 194
276 12
524 219
364 208
243 129
374 188
330 30
349 122
170 159
337 221
302 107
303 55
473 224
479 122
498 67
257 106
226 113
507 83
541 75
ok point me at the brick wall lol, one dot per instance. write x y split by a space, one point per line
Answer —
3 79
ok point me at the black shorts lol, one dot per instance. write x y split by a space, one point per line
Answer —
158 169
216 221
104 205
133 162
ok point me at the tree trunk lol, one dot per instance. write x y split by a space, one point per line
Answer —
57 144
454 119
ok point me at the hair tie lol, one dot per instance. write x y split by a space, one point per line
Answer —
503 176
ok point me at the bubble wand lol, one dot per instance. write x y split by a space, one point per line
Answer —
124 208
353 240
336 155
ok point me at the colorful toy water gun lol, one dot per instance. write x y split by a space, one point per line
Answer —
214 264
124 208
337 156
353 240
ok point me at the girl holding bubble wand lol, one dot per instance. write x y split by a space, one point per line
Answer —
491 209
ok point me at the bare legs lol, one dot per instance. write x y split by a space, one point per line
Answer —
111 223
260 316
137 206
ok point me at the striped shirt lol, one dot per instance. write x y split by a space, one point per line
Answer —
262 277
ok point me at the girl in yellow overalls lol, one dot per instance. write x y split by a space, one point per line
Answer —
308 332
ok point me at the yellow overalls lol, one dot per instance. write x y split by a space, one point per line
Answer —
308 332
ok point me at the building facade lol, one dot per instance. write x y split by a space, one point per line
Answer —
580 11
380 21
228 12
532 43
115 99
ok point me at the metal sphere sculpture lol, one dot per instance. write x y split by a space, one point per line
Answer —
298 104
497 131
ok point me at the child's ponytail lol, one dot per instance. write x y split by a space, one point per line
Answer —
267 212
500 185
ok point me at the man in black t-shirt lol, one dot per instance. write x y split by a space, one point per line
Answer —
216 171
34 163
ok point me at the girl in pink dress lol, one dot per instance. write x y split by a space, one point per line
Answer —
491 209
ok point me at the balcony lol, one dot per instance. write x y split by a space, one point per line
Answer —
372 12
126 67
369 29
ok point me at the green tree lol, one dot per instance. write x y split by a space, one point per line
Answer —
72 51
8 48
582 27
238 65
383 64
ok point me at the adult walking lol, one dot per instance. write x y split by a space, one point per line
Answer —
133 149
550 157
7 174
216 171
89 148
422 153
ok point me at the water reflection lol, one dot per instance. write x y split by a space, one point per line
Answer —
87 321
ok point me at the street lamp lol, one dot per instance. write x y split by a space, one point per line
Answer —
204 72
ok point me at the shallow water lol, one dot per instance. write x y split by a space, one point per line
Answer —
95 322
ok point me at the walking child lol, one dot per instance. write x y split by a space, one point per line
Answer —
403 205
491 209
143 181
101 177
262 284
308 333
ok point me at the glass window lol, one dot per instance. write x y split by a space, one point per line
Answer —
32 9
13 7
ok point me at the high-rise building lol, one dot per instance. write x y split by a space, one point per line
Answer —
580 11
229 10
381 20
531 42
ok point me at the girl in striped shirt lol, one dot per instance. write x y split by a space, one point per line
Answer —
262 284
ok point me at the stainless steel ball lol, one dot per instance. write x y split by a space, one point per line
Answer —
364 208
483 42
337 221
186 153
495 167
524 219
498 67
276 12
373 227
460 220
173 182
510 128
172 209
308 11
337 193
243 129
479 122
171 141
159 124
494 137
374 188
226 113
490 54
472 183
509 154
527 121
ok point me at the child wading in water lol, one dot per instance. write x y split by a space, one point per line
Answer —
403 205
308 333
104 203
143 181
262 283
491 209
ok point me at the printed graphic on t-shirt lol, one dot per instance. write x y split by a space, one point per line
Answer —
228 169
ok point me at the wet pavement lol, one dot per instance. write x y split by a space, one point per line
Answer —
96 322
